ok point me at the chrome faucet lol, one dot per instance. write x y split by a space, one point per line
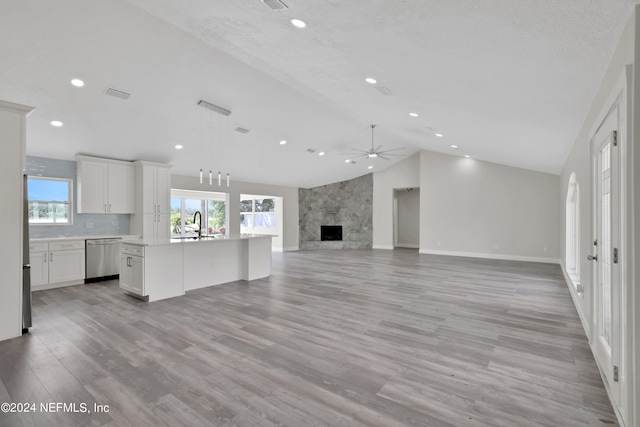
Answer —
199 215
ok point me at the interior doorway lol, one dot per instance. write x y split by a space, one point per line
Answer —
406 218
263 214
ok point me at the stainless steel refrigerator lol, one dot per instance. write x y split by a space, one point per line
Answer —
26 267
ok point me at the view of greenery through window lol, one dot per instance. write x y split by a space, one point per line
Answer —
258 213
183 210
49 200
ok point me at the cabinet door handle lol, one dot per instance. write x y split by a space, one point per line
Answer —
45 257
105 207
50 256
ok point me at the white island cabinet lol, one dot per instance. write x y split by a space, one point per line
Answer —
105 185
132 269
161 269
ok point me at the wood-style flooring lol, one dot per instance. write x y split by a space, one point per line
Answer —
332 338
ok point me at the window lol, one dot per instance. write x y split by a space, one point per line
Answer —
257 213
184 205
49 200
572 252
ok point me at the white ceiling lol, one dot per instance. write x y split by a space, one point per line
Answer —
507 81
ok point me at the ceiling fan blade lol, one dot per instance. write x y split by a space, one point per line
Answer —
360 151
383 157
390 154
393 149
377 149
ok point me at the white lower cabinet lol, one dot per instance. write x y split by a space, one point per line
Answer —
55 263
39 268
66 266
132 269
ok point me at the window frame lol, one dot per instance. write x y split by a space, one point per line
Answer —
204 198
70 206
572 232
253 213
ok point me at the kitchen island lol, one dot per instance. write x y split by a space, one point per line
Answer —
160 269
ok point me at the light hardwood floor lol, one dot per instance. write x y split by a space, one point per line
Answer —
353 338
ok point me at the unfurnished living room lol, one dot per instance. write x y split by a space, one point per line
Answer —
319 213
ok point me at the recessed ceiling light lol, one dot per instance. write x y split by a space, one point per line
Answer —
371 80
321 153
467 156
370 167
348 161
413 114
77 82
439 135
455 147
56 123
298 23
283 142
178 147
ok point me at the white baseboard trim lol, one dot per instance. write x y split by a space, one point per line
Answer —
56 285
382 247
407 245
291 249
491 256
576 302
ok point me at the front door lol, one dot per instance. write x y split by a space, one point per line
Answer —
605 256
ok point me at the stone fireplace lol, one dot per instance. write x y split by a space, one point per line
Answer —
346 206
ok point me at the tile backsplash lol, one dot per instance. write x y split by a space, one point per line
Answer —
103 224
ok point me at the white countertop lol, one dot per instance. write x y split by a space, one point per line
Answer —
62 238
162 242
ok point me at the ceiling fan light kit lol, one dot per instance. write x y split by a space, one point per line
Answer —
375 152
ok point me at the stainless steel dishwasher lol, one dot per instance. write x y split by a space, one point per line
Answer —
102 258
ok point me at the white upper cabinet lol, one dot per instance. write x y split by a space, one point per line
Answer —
105 186
153 209
155 188
121 188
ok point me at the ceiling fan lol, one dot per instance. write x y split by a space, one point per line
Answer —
375 152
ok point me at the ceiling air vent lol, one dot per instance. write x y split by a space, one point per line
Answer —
275 4
242 130
384 90
117 93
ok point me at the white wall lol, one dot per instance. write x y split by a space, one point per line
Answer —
408 217
401 175
474 208
12 162
290 226
579 161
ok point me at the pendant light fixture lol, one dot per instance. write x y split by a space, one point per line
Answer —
224 112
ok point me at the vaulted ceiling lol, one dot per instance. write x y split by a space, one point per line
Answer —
505 81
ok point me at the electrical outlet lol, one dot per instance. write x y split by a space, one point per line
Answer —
89 226
546 249
495 246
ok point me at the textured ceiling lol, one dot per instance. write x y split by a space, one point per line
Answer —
507 81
